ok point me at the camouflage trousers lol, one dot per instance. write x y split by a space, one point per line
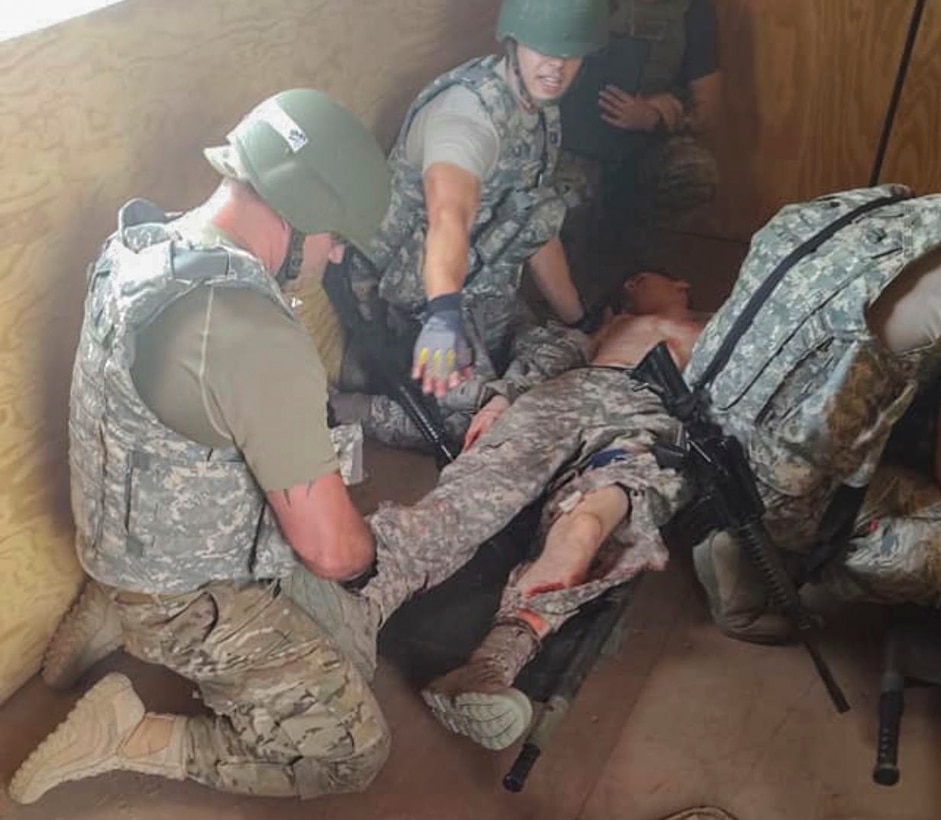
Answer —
620 205
383 419
586 429
388 423
662 182
673 176
537 353
293 715
895 554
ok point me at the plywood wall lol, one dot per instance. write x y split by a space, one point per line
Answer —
118 104
807 86
914 151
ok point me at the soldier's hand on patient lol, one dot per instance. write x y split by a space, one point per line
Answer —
484 419
626 111
442 356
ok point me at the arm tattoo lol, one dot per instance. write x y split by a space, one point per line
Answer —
287 493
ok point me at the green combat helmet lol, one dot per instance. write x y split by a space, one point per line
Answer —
313 162
555 28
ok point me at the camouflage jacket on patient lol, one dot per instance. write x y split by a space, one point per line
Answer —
808 390
155 511
519 212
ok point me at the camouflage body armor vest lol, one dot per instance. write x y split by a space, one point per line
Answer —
808 390
519 212
662 24
154 511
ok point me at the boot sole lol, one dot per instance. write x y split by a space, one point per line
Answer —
495 721
30 781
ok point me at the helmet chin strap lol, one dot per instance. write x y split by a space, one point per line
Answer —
522 90
291 266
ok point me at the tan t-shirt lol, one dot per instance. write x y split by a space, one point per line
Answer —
455 128
226 366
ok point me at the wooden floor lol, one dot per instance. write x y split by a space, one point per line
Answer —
678 716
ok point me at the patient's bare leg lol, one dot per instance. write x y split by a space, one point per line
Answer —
478 699
571 545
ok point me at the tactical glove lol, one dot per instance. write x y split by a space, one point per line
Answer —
592 319
442 347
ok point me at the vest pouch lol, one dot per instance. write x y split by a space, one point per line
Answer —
196 519
99 307
520 226
401 281
86 466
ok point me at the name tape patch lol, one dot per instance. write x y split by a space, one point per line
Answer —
275 116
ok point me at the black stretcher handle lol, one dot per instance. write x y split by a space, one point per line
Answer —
891 706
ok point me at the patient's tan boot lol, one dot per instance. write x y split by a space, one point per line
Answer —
736 595
108 730
90 630
478 699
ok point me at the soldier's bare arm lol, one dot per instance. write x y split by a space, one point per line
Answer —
327 532
550 270
703 108
452 196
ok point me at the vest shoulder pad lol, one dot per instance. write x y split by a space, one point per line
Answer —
198 264
140 212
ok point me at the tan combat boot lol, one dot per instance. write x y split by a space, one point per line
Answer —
736 595
90 630
107 730
478 699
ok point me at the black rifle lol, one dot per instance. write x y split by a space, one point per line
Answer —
377 352
727 495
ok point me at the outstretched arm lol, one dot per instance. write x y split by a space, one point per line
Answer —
442 355
452 196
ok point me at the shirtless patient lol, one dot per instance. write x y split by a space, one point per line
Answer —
584 437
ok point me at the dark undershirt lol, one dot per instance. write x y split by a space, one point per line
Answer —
701 57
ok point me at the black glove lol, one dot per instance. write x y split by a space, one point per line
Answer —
442 347
592 319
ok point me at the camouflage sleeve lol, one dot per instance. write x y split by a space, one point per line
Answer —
388 423
539 353
914 437
364 281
